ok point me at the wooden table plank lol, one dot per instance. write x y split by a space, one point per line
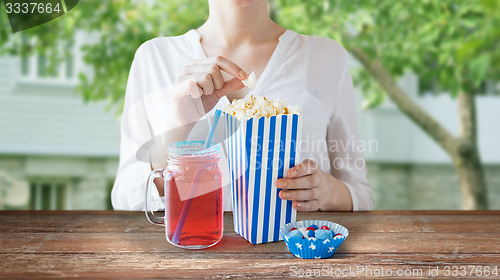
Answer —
357 242
124 245
375 221
248 266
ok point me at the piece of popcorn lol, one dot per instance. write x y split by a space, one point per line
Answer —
295 110
229 108
250 81
240 115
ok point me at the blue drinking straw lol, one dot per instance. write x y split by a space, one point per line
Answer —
196 179
210 136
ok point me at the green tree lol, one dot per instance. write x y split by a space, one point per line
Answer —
452 45
116 29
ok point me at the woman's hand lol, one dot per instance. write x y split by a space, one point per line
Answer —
195 92
311 189
202 81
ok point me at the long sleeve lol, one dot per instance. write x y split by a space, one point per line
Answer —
129 187
347 161
148 120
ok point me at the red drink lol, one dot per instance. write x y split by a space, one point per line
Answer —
203 225
193 195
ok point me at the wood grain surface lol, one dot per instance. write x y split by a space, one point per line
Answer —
107 244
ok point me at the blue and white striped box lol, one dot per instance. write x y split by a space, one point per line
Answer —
260 151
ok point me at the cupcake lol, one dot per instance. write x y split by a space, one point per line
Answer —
313 239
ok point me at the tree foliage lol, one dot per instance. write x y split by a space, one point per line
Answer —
115 29
452 45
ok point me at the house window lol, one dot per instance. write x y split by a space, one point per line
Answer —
50 195
37 66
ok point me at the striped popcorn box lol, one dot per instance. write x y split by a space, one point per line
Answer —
260 151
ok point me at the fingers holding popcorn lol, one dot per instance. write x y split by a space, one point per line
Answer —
225 65
209 69
229 86
202 80
187 88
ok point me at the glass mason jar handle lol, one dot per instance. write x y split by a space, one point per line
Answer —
152 218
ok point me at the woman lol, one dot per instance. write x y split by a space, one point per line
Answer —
174 82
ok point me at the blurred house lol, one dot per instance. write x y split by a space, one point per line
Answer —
64 153
64 150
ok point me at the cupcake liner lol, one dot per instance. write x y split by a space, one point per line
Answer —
314 248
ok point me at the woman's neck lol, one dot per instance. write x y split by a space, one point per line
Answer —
229 25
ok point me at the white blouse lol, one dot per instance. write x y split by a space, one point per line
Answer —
306 71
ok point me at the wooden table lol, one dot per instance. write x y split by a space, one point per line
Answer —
107 244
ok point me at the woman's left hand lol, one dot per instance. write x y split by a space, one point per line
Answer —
311 189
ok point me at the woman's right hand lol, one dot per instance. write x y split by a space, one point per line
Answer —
200 86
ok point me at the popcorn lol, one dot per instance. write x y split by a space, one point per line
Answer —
250 81
256 107
244 140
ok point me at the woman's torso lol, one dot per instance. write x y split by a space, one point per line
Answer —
303 70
